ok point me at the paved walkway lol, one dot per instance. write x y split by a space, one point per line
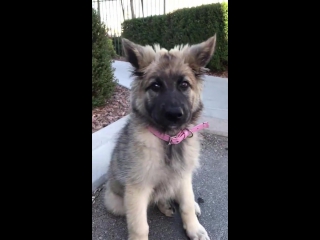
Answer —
215 97
210 186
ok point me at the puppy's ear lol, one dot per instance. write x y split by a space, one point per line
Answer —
200 54
139 56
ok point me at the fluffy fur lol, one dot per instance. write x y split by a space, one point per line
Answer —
165 94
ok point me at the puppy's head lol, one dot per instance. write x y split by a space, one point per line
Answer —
167 87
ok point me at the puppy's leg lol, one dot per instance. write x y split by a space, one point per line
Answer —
136 203
185 198
166 208
113 202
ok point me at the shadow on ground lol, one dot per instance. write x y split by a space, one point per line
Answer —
211 192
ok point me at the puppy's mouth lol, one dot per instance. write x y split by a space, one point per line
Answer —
166 125
173 126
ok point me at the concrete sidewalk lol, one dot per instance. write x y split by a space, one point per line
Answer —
210 189
215 97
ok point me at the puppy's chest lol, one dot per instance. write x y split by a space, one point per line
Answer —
176 162
165 167
163 161
173 155
170 165
167 179
172 158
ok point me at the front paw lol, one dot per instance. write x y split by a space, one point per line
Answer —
141 232
197 208
136 237
197 233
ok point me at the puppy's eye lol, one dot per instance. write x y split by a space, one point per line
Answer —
184 85
155 87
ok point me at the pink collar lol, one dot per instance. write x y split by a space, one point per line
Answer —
183 134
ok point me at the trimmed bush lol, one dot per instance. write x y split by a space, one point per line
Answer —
103 81
188 25
111 48
117 45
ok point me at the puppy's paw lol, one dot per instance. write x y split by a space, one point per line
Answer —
139 233
138 238
197 233
197 208
166 208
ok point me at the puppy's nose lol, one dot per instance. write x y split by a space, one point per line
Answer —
174 113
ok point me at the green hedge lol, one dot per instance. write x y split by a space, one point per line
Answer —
117 45
189 25
111 48
103 81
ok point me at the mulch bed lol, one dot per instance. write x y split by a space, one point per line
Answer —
116 107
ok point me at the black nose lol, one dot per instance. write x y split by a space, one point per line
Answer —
174 113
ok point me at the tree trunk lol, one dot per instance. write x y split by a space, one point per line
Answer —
142 8
124 18
99 9
132 11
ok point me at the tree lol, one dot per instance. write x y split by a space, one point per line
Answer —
103 81
132 11
124 18
142 8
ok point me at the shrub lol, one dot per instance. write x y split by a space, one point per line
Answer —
117 45
111 48
189 25
103 81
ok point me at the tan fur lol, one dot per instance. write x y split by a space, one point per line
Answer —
136 204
